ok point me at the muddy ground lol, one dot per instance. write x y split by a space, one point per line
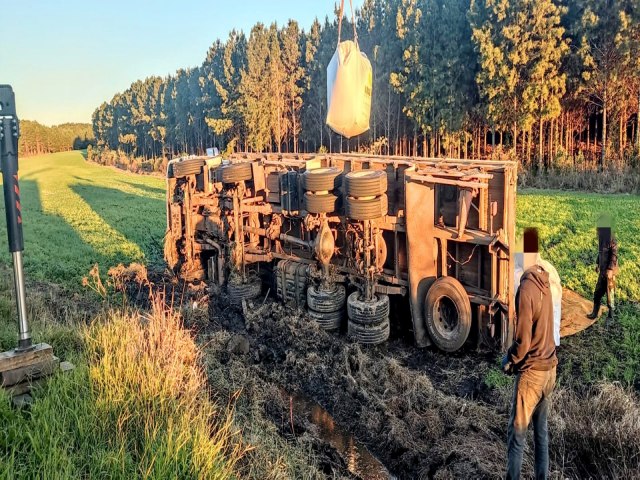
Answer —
422 413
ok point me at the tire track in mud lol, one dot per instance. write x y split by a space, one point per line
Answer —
398 401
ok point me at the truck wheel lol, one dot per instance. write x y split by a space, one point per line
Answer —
322 179
320 203
236 172
326 301
366 183
370 334
243 291
368 208
448 314
327 320
188 166
368 312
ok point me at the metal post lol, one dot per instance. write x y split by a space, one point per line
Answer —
9 162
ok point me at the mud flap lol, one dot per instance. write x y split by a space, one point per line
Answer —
419 201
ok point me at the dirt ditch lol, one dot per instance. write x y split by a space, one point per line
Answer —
421 413
415 412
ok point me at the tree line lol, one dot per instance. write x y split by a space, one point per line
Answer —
549 82
37 139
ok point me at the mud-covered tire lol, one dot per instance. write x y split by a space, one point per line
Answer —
326 301
189 166
243 291
322 179
327 320
367 209
366 183
320 203
235 172
447 314
369 312
369 334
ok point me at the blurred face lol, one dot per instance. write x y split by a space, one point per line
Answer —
604 232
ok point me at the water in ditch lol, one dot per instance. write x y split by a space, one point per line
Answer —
358 458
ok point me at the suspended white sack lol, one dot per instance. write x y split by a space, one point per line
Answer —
349 80
555 286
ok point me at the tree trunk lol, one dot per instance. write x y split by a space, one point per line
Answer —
604 130
529 147
621 136
493 140
540 153
638 123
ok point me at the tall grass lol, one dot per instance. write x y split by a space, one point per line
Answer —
139 409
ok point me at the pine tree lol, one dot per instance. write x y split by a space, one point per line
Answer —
520 49
294 74
276 87
255 96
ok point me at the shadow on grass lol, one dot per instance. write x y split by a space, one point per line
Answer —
147 188
140 219
53 249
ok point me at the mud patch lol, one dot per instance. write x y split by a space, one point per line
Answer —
359 460
413 427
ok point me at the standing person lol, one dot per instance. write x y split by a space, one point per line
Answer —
532 358
606 267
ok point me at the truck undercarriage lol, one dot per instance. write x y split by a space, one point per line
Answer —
339 234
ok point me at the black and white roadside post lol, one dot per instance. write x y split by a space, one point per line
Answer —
28 364
9 132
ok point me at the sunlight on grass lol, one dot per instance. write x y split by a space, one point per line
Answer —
89 226
140 409
566 223
77 214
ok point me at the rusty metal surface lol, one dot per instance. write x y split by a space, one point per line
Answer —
423 234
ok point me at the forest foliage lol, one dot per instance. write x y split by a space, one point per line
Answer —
38 139
552 83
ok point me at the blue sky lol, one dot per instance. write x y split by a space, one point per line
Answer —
65 57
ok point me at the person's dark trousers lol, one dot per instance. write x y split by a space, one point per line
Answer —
604 286
530 404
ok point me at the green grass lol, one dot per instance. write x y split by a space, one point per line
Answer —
566 223
77 214
136 406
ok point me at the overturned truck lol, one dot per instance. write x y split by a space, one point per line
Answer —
342 235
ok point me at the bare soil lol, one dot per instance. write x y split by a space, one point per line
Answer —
416 410
422 413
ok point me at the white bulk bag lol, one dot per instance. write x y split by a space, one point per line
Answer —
555 287
349 79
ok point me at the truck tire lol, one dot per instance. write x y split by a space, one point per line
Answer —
236 172
320 203
328 320
369 334
243 291
368 312
366 183
189 166
448 314
368 208
322 179
326 301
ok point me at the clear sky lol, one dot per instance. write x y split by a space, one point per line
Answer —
65 57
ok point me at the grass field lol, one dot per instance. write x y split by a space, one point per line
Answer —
77 214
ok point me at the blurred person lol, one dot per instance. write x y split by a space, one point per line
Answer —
532 359
606 267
